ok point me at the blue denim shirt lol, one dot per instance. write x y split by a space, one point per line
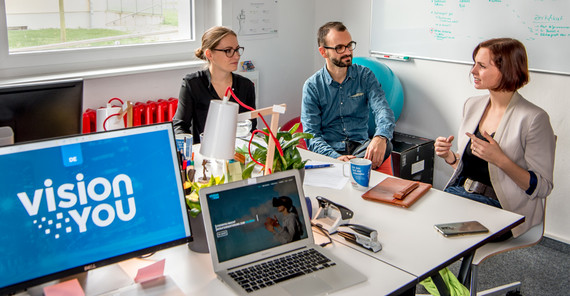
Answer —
337 112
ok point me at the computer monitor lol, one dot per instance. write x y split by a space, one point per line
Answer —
42 110
72 204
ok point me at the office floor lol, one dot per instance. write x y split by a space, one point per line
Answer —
543 269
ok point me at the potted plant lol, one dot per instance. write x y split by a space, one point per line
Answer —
291 158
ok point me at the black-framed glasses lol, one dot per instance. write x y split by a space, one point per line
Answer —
231 51
342 48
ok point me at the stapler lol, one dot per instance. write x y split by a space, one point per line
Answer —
330 215
360 235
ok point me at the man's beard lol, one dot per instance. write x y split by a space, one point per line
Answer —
340 63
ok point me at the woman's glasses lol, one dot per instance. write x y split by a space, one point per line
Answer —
231 51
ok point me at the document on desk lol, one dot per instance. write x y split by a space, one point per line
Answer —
330 177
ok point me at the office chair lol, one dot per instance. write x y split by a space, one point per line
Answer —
530 238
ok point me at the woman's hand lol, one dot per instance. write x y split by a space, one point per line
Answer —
488 151
442 147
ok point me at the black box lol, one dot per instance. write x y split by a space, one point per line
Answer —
412 157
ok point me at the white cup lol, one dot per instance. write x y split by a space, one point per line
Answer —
359 173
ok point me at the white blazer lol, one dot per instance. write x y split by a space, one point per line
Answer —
526 137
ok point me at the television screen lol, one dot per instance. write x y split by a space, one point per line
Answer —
72 204
42 110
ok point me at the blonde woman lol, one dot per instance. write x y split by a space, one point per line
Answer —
221 49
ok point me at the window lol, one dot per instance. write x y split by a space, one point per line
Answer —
40 37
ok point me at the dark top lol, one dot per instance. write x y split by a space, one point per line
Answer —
194 101
474 167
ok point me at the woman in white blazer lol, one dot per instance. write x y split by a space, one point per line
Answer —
506 144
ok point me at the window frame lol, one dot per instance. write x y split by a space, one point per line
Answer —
65 61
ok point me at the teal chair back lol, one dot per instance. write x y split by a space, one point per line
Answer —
390 84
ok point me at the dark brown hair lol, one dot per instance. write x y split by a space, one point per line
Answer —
509 56
324 30
211 39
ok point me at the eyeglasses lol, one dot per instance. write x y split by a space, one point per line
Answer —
342 48
231 51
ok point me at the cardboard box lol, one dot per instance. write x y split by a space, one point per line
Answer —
413 157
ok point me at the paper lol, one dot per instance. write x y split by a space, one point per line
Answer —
150 272
67 288
330 177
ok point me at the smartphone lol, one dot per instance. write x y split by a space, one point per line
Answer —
461 228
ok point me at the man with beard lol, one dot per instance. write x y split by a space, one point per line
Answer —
337 101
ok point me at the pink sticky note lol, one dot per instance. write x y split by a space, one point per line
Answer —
67 288
150 272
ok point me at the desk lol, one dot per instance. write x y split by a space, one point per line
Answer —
408 238
412 249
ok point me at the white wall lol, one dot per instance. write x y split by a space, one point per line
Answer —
434 95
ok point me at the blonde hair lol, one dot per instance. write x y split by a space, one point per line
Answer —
211 39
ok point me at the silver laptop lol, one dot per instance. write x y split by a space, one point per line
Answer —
261 242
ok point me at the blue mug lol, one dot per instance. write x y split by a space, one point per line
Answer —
359 172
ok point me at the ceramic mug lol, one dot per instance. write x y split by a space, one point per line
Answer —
359 172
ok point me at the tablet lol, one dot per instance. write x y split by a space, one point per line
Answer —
461 228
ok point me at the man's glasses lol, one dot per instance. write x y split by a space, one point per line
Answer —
231 51
342 48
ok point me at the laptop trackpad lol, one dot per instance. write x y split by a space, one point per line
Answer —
311 285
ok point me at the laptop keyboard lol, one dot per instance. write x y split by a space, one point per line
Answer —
268 273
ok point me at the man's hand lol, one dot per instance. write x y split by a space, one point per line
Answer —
376 150
346 157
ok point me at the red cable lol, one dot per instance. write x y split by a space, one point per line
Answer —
115 99
277 144
105 121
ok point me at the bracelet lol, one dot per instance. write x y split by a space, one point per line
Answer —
454 160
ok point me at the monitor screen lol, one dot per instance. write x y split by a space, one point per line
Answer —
42 110
76 203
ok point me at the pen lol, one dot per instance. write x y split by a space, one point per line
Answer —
318 166
394 57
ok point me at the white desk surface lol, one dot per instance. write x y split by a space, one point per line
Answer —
193 274
407 235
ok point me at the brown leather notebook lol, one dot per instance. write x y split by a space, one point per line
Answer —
396 191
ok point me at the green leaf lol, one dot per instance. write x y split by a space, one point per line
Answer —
284 135
246 174
294 128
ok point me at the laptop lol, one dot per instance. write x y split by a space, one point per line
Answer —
261 241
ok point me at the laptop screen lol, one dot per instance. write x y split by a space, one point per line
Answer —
76 203
256 217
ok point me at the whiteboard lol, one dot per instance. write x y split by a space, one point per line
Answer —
449 30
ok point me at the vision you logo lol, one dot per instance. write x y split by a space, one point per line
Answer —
72 205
